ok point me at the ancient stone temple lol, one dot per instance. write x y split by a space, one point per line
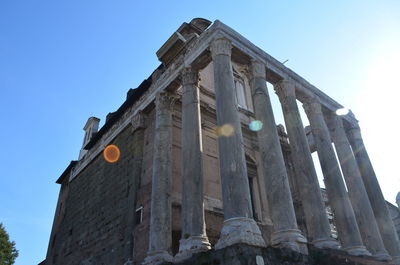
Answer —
177 175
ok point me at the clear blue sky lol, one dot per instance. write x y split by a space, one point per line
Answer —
63 61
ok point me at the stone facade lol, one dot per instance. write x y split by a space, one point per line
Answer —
395 214
94 213
193 175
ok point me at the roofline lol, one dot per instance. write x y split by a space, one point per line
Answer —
131 99
66 172
216 30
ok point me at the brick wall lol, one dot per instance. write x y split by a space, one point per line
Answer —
96 227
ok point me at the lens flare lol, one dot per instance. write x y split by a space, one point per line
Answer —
225 130
111 153
342 111
255 125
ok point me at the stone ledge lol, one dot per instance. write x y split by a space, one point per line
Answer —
242 254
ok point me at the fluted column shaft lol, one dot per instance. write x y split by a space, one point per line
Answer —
193 227
160 216
356 190
310 192
238 227
286 232
378 203
345 220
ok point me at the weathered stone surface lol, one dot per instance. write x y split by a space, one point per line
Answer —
239 229
275 175
378 203
96 208
395 215
398 200
96 223
194 238
349 234
235 185
241 254
138 140
356 190
160 219
306 177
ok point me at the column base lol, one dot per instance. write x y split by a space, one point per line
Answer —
191 245
326 243
357 251
157 257
396 260
291 238
129 262
240 230
382 256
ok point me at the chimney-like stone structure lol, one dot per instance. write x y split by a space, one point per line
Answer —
91 127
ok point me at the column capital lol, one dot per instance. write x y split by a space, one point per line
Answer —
165 100
189 76
312 105
257 69
354 132
334 121
284 89
221 46
138 121
336 129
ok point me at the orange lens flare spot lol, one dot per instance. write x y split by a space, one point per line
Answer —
225 130
111 153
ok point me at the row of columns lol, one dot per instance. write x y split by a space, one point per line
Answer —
358 195
354 215
286 232
345 220
378 202
309 190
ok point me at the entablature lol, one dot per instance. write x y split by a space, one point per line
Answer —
197 55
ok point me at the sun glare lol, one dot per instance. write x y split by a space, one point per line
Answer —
377 110
342 111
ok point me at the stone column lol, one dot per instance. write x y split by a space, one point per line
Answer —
160 219
378 203
310 192
356 190
137 141
286 232
239 226
194 237
345 220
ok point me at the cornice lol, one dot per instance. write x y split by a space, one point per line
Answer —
202 44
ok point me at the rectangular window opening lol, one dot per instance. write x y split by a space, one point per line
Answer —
139 215
240 94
